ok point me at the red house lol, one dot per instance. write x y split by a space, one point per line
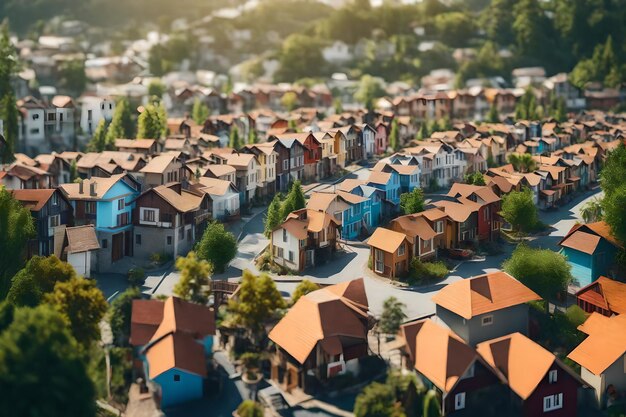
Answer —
380 144
604 296
540 383
312 155
486 202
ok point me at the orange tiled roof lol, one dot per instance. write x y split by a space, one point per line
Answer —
386 240
605 344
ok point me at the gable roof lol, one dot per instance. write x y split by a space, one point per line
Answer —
415 225
102 186
583 241
465 190
324 316
604 291
158 164
378 177
184 202
522 362
456 211
605 344
386 240
214 186
146 316
483 294
134 143
81 239
33 199
176 351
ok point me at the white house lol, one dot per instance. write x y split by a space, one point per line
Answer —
80 245
338 53
224 196
94 109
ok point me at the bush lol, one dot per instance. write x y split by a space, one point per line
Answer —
250 360
136 277
425 271
575 315
160 258
250 408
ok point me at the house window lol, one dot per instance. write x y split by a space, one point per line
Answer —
428 244
284 235
138 239
552 402
281 252
169 240
379 265
148 215
401 249
176 378
55 220
303 243
552 376
487 320
439 226
55 199
122 219
459 401
105 243
290 256
120 204
90 207
181 233
35 116
285 165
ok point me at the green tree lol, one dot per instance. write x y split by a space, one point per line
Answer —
73 171
252 136
233 141
393 316
522 162
455 28
218 246
152 122
258 301
592 211
497 20
304 287
493 116
614 171
475 178
194 281
529 26
394 136
72 76
122 125
200 112
38 278
120 314
526 108
423 133
295 200
300 56
542 270
338 105
432 407
369 89
9 66
273 218
412 202
614 208
289 101
377 400
98 142
82 305
519 210
41 368
156 89
16 228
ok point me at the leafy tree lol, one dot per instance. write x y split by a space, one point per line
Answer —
603 66
295 200
300 56
9 66
518 208
614 171
394 136
493 116
304 287
194 279
218 246
338 105
544 271
73 171
434 127
120 314
455 28
38 278
423 133
258 301
16 228
289 100
377 400
82 305
412 202
614 208
393 315
432 408
200 112
253 136
369 89
522 162
234 141
592 211
475 178
72 76
156 89
250 408
7 314
526 108
530 26
98 142
273 217
152 122
122 125
497 20
41 367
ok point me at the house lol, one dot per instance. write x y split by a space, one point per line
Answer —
462 229
374 195
390 252
604 296
446 363
329 158
221 172
488 207
50 209
77 246
266 157
93 109
540 383
290 161
306 238
57 167
602 357
163 169
324 334
368 139
409 173
246 176
173 338
223 194
18 176
484 307
146 147
46 125
389 182
590 249
107 163
381 144
419 233
352 210
106 203
168 220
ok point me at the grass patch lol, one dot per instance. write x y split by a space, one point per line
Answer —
424 272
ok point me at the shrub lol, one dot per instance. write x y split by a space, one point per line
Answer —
136 277
424 271
160 258
575 315
250 408
250 360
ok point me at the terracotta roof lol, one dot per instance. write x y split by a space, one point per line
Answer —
522 362
386 240
81 239
34 200
134 143
601 228
316 220
241 160
183 202
353 291
322 201
456 211
503 183
174 144
295 227
581 241
415 225
438 353
214 186
325 316
109 160
349 184
158 164
379 177
465 190
176 351
219 170
605 344
146 316
609 293
483 294
182 316
578 242
351 198
102 186
433 214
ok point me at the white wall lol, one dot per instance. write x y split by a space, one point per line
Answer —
292 244
101 108
81 262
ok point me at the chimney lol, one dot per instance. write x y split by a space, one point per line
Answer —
80 187
92 189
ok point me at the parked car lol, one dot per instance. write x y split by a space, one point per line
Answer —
458 253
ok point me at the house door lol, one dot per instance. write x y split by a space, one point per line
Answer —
117 249
310 258
128 243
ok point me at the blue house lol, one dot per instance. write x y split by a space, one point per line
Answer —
389 182
106 203
173 338
408 170
590 250
375 195
357 219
